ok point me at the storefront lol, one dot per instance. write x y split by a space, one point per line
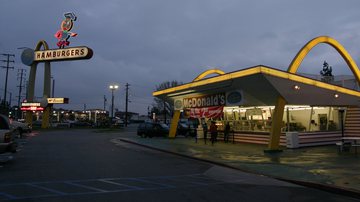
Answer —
262 103
246 99
299 118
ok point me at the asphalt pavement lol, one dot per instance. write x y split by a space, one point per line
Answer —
91 165
321 167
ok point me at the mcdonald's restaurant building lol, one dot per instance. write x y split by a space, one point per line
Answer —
264 105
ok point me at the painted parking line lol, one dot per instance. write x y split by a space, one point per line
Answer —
32 190
47 189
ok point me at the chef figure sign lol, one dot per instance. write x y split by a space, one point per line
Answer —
64 33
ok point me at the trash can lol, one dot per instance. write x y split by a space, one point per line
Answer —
292 140
200 132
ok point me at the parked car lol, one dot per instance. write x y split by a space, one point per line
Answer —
186 129
82 124
21 127
62 124
7 136
37 123
151 129
118 123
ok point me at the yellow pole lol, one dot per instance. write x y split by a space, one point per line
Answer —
275 131
46 94
30 92
174 124
31 88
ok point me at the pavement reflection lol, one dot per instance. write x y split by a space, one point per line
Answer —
323 165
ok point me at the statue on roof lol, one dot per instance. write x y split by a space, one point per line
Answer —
326 73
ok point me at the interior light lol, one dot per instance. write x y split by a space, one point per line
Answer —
182 93
296 87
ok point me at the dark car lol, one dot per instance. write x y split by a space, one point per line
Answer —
186 129
151 129
81 124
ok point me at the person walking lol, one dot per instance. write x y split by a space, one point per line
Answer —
213 132
226 132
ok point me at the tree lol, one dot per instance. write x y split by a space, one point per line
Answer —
164 106
326 73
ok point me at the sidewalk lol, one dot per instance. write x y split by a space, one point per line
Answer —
322 165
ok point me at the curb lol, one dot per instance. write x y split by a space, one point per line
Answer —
323 187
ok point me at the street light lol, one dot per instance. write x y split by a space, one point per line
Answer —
112 88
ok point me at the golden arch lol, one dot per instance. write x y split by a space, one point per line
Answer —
294 65
208 72
46 91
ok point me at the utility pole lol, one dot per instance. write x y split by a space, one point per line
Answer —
7 73
10 99
27 87
164 111
105 102
126 103
21 74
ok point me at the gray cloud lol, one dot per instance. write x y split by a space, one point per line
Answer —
144 42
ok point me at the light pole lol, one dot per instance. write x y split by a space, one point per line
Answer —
53 86
342 110
112 88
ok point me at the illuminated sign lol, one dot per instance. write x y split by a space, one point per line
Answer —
58 100
205 101
75 53
29 56
64 33
206 112
32 108
30 104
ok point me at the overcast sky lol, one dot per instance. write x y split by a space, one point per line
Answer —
146 42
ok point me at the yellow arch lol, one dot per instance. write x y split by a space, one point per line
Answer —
47 85
294 65
43 44
208 72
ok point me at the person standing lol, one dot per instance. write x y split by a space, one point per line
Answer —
205 129
213 132
226 132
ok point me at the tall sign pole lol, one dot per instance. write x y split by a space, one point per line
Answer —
33 57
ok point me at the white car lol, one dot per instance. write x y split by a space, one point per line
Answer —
21 127
7 136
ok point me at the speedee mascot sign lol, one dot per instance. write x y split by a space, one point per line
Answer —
64 33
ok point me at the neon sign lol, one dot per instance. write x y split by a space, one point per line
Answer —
58 100
74 53
30 104
32 109
64 33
